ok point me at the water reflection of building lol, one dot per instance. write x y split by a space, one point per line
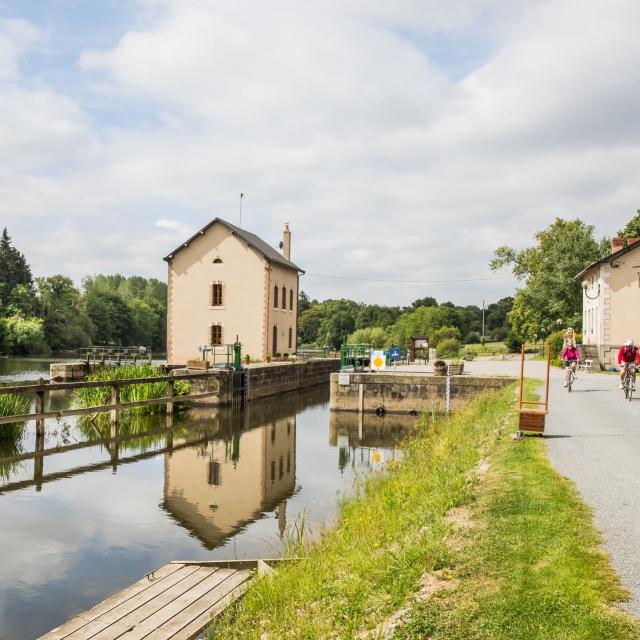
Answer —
366 439
217 487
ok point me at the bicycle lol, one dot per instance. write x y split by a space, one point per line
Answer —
571 374
627 382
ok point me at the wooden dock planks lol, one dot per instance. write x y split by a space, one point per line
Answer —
175 602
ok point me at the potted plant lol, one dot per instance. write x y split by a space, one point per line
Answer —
247 359
267 358
440 368
198 363
456 367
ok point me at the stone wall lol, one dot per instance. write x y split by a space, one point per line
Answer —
273 379
404 393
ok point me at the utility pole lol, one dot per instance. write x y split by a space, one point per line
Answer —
240 223
483 321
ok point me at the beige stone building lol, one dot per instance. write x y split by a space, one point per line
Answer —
611 302
225 281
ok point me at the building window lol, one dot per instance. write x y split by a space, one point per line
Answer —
284 297
215 334
274 349
291 300
215 299
275 296
290 337
214 473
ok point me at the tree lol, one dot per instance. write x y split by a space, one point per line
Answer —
632 230
24 336
548 270
14 271
66 323
424 302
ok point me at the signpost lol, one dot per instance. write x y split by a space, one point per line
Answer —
378 360
344 379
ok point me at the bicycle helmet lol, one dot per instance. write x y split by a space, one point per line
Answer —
628 343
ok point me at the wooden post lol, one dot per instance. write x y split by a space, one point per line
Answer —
115 400
38 461
521 376
361 398
546 394
170 393
40 407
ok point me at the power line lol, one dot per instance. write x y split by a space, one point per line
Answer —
324 275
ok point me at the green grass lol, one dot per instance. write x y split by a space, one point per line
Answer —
13 405
488 348
388 533
532 567
95 397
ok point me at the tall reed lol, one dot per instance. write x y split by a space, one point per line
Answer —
13 405
95 397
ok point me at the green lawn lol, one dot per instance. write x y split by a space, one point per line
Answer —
488 348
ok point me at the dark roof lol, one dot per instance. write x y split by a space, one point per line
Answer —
269 252
610 258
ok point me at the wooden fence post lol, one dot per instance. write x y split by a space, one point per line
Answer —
115 400
38 461
40 407
170 393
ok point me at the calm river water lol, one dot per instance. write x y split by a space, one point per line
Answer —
79 524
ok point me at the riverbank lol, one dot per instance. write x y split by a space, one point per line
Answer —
470 535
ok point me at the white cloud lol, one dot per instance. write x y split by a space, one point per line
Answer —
167 224
334 117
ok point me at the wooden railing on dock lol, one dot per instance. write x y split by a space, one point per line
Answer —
42 387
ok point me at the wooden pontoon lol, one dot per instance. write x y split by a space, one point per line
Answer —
533 413
174 602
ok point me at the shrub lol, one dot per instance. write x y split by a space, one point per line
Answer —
448 348
23 336
555 341
445 333
376 336
513 342
473 338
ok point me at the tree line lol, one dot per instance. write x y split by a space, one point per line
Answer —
332 321
550 298
40 315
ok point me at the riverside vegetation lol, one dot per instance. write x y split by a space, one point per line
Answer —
97 396
439 547
13 405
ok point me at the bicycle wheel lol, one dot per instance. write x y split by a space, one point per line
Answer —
630 386
570 381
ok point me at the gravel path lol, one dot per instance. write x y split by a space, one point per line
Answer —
593 438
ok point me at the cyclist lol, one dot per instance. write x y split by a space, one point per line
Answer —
570 356
629 354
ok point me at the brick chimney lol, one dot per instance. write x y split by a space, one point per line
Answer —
619 243
286 242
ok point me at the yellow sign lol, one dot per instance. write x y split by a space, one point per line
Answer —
378 360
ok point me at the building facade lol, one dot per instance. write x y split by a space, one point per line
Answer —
225 282
611 301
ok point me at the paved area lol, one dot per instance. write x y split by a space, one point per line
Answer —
593 438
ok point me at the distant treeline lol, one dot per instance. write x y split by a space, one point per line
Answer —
331 321
39 315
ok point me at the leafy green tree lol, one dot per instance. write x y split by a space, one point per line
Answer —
374 315
444 333
548 270
309 324
423 321
448 348
66 323
632 230
375 336
24 336
14 271
428 301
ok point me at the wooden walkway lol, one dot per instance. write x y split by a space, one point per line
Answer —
176 601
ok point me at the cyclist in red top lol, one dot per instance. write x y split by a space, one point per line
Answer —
629 354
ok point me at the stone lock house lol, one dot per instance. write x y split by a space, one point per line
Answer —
225 281
611 302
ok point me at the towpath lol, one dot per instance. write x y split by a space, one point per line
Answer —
593 438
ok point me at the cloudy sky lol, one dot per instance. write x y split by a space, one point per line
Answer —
402 140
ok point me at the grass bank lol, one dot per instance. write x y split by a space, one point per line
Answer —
393 529
444 547
527 563
488 348
94 397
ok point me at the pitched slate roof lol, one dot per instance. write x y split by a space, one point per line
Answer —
610 258
269 252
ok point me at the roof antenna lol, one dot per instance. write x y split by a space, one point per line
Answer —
241 196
